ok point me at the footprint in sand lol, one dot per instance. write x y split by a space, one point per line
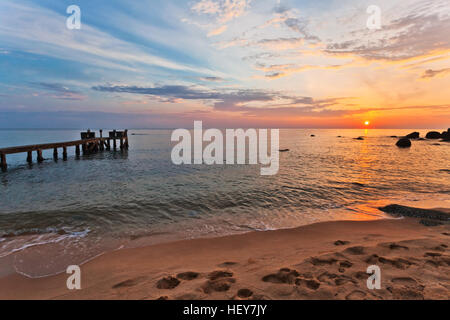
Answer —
309 283
356 295
284 275
395 246
219 281
128 283
432 254
220 274
227 264
341 243
440 248
343 265
398 263
219 285
404 281
167 283
358 250
189 275
360 275
323 261
372 259
244 293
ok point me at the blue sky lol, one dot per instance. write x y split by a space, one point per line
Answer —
229 63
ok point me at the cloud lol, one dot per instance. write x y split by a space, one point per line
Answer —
222 99
217 31
247 101
432 73
420 30
211 79
281 43
222 10
59 91
88 45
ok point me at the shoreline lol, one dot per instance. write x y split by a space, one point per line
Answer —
299 263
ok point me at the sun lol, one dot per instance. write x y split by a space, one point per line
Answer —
367 123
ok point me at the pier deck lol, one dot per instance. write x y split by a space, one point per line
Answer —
89 144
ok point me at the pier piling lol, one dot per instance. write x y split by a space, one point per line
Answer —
3 164
30 157
39 155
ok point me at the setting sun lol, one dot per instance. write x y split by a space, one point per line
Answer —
367 123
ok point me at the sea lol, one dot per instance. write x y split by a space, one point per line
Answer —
59 213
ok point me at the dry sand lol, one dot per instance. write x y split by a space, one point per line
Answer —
320 261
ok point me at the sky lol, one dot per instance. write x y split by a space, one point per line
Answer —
229 63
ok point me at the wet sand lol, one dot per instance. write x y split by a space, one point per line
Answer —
320 261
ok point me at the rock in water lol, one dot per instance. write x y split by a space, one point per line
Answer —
429 217
413 135
446 135
433 135
403 143
359 138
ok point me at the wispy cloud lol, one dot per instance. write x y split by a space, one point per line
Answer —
89 44
57 91
432 73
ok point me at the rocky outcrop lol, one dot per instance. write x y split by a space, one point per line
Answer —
433 135
446 135
429 217
413 135
403 143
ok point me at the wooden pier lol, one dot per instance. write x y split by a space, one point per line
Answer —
89 144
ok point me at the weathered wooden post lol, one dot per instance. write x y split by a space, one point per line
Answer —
77 150
114 141
29 157
126 139
3 162
39 155
101 143
55 154
64 153
121 143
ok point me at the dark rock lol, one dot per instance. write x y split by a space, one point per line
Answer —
421 139
284 150
413 135
394 137
313 135
359 138
403 143
446 135
404 211
430 223
433 135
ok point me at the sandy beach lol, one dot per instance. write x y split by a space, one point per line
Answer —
319 261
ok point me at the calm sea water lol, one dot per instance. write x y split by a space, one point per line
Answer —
55 214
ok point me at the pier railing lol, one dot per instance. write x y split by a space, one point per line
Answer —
89 145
